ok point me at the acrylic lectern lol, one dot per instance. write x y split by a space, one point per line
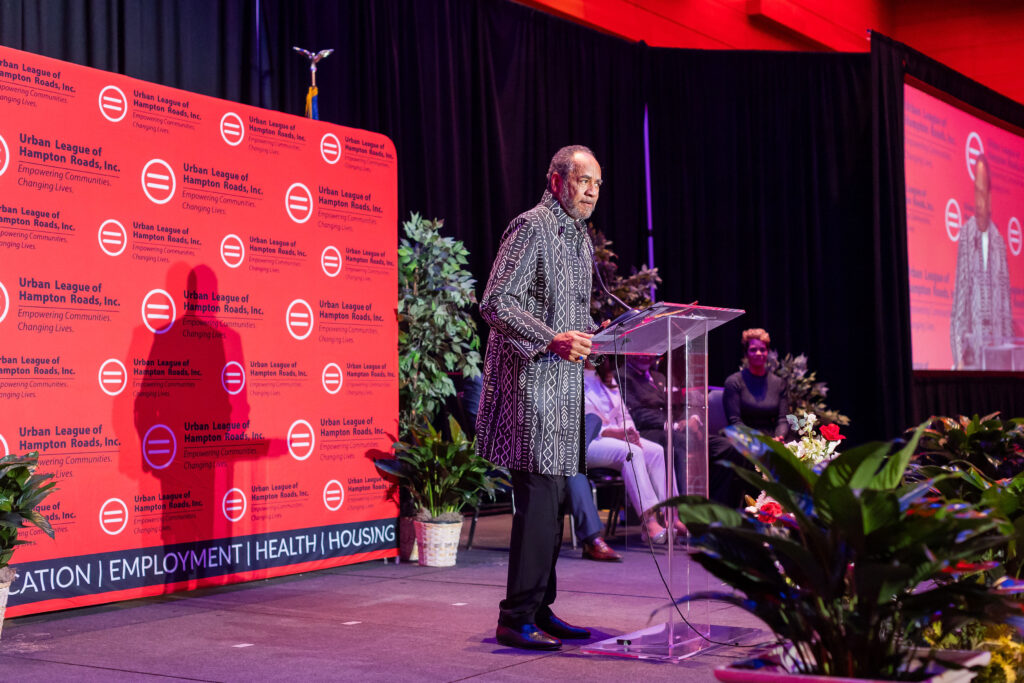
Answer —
679 330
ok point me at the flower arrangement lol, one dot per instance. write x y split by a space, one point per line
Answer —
864 562
815 449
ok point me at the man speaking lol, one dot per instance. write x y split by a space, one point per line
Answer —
537 303
981 314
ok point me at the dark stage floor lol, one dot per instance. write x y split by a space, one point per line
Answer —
368 622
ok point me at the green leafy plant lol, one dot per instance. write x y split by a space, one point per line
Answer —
21 491
635 289
861 563
436 332
803 390
995 447
1003 497
442 476
986 456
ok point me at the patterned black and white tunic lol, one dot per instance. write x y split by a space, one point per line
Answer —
530 416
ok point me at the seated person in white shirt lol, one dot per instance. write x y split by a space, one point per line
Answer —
644 478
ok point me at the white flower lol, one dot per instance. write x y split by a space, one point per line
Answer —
811 447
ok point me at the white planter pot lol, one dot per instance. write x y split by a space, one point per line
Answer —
438 542
7 576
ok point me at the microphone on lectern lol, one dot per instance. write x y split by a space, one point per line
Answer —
630 311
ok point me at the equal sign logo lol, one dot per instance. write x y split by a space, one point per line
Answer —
113 103
301 440
232 378
113 516
232 251
113 237
232 129
334 495
158 311
5 155
299 319
331 378
5 302
113 377
159 446
330 261
298 202
330 148
234 505
158 181
971 150
954 219
1013 235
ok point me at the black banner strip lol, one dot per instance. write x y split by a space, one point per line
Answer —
69 577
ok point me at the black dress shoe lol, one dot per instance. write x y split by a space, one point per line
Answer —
526 637
561 629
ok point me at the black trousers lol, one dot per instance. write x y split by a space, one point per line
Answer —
540 501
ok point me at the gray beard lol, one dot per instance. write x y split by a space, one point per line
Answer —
566 201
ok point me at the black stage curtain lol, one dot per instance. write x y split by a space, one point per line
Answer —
768 191
891 287
931 393
476 95
210 47
763 200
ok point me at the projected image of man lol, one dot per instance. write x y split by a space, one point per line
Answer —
981 315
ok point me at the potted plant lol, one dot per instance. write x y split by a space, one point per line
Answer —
987 453
21 490
436 333
853 566
992 446
437 336
442 476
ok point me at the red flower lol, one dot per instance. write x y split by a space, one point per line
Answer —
831 432
962 567
769 512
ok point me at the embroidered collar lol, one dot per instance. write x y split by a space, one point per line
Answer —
565 221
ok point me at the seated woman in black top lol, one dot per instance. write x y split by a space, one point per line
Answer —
754 397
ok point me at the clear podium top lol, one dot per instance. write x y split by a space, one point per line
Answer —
659 328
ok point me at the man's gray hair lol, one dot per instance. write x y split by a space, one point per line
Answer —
563 161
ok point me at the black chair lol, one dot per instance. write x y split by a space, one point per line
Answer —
606 483
609 492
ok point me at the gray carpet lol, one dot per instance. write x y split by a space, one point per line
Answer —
371 622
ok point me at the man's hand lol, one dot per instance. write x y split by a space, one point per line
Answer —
572 345
633 436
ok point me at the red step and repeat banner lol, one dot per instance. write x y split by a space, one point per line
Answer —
197 333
